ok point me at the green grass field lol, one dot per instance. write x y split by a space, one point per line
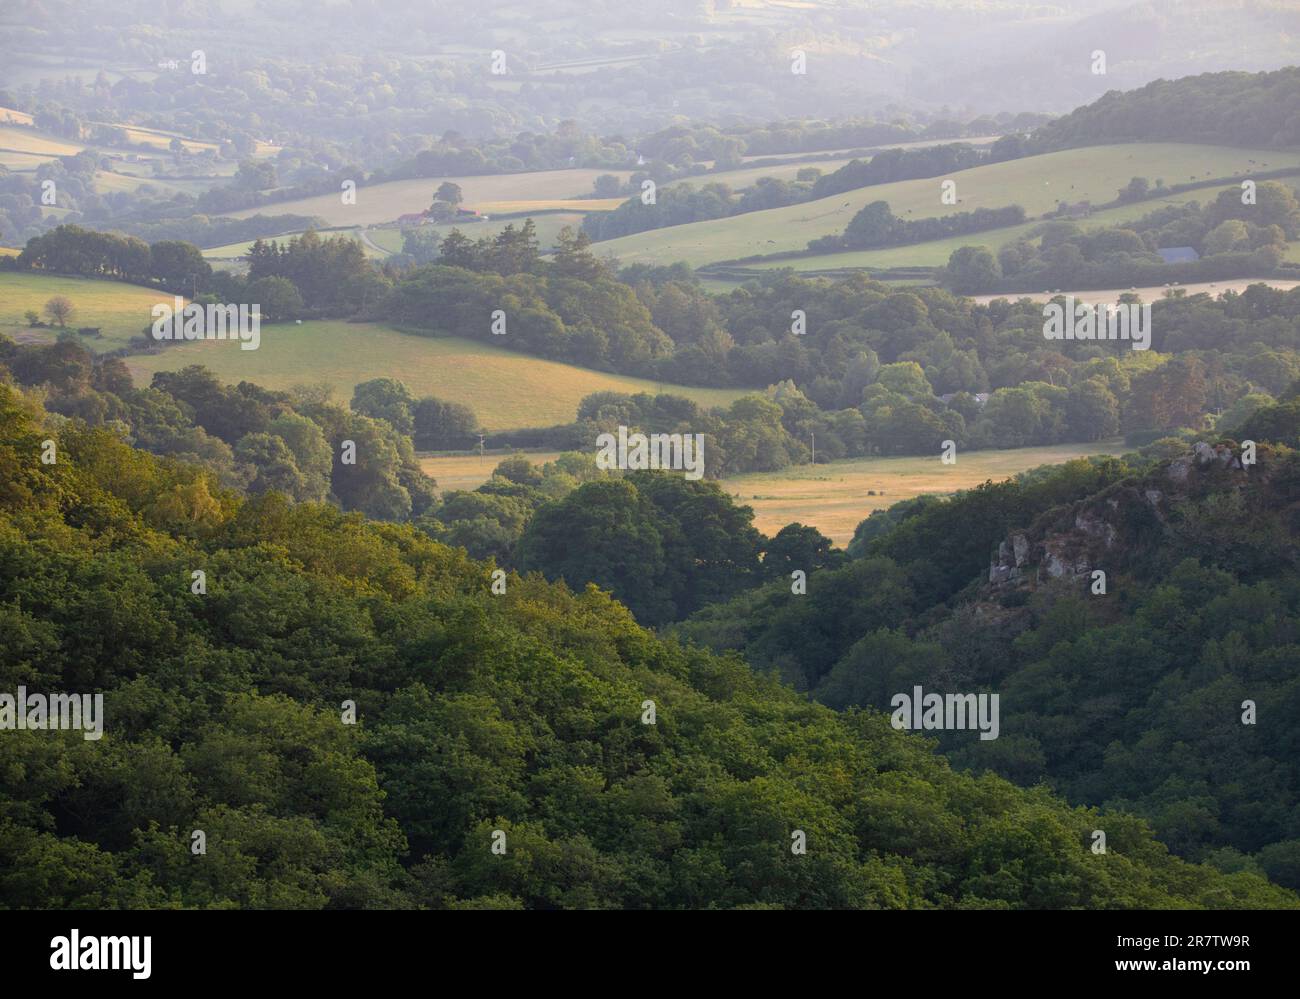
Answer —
121 311
549 205
936 252
505 389
1037 183
746 176
107 182
385 202
391 240
834 497
979 140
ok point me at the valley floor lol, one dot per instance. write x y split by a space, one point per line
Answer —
833 497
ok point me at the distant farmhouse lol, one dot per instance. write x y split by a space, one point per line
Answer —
1178 254
429 218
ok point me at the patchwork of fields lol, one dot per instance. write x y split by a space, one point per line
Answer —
535 191
935 253
1037 183
23 149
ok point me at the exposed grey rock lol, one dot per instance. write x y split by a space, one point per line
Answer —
1095 527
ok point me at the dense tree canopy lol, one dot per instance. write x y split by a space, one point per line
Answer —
1132 696
478 716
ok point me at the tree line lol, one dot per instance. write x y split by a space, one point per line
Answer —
878 370
875 225
1231 108
1238 234
683 203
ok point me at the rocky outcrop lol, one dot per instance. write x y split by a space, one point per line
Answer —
1110 530
1203 456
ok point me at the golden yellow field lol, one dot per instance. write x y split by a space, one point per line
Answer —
9 115
159 139
22 148
469 471
24 140
833 498
20 162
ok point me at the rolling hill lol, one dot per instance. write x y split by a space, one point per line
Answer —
533 191
1037 183
935 253
385 202
506 390
121 311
